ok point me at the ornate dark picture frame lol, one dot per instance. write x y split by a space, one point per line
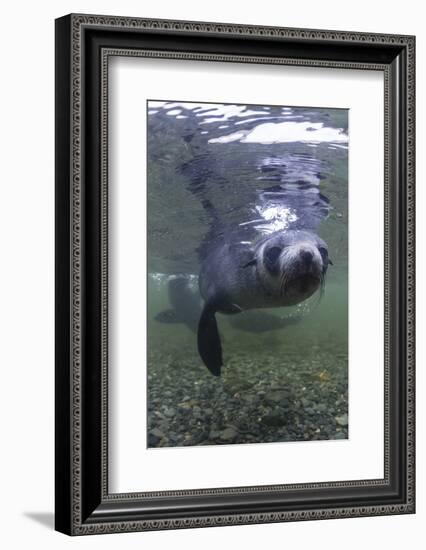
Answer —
84 44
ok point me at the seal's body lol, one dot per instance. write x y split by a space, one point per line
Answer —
282 269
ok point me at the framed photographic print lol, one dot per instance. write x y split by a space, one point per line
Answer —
234 274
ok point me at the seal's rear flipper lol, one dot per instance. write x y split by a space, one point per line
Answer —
186 304
167 316
209 346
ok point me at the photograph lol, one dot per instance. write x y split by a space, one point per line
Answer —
247 285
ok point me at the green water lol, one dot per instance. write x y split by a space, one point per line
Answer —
283 384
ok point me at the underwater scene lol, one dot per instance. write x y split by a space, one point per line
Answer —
247 274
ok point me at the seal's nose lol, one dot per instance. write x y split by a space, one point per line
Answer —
306 256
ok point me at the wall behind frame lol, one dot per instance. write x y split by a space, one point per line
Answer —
27 244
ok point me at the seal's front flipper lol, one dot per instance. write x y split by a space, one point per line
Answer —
167 316
209 346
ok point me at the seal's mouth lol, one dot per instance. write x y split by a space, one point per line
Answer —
302 284
306 281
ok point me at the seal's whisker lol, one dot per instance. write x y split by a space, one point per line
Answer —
316 301
322 285
283 283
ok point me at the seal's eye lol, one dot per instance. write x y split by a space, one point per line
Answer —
324 255
271 256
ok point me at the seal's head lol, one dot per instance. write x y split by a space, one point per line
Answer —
292 265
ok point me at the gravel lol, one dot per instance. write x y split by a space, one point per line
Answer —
259 398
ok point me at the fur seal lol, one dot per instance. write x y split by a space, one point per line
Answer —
281 269
186 307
